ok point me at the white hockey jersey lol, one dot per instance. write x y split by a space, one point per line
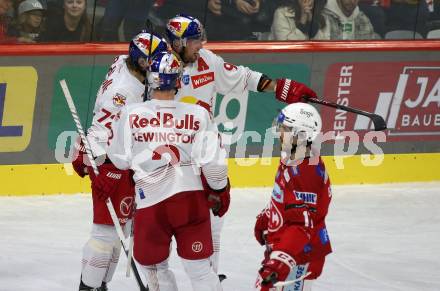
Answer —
210 74
119 88
166 144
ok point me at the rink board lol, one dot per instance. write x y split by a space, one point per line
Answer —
60 178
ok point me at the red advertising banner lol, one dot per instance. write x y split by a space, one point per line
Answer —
405 94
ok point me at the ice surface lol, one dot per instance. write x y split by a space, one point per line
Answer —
384 237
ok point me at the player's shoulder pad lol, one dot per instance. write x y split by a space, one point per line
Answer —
208 55
195 108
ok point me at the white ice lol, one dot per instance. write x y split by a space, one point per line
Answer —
384 237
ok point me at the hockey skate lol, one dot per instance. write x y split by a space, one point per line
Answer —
84 287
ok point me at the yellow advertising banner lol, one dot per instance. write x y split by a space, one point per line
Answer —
18 87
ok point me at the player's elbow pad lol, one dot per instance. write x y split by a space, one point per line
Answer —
263 83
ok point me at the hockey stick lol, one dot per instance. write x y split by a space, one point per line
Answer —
108 202
378 121
279 285
149 26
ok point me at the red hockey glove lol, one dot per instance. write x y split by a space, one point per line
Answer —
80 157
276 269
106 183
260 228
219 200
290 91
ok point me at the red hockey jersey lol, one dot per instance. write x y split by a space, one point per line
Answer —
297 211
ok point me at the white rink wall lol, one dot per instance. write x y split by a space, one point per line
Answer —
384 237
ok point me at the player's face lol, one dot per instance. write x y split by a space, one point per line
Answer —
348 6
191 52
74 8
287 136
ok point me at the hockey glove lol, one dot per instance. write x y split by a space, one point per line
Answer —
290 91
219 200
107 182
260 228
276 269
80 156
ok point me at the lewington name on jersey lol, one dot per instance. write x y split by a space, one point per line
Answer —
165 120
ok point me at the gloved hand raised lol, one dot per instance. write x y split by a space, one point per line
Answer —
290 91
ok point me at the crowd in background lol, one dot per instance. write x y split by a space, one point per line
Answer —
35 21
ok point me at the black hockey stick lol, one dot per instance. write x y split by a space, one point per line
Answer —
110 207
378 121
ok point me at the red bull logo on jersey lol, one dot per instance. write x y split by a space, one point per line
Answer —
306 197
165 120
119 100
202 80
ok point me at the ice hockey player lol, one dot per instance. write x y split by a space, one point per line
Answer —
123 85
206 74
169 144
293 226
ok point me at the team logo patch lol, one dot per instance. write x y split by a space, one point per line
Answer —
307 197
197 247
276 219
126 206
202 80
119 100
277 193
185 79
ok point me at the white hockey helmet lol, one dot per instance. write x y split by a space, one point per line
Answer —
301 119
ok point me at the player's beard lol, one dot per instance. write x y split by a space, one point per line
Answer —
189 58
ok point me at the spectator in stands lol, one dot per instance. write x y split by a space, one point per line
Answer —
408 15
133 13
29 23
300 20
69 24
434 18
18 2
347 21
375 11
5 20
231 20
167 9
